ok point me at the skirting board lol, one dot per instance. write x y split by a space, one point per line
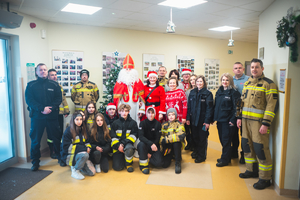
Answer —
285 192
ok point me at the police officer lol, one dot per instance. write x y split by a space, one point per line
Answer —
63 111
239 80
43 97
257 107
84 91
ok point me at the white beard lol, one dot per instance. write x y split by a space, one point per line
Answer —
128 77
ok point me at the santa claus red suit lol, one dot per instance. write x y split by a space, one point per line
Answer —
177 99
129 89
155 96
186 85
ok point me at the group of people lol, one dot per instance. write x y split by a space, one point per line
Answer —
155 121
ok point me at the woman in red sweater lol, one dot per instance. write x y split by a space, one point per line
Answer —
176 98
155 95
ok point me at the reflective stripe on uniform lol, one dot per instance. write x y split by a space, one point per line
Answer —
114 141
50 141
265 167
66 107
72 155
129 159
144 162
248 87
61 109
270 113
132 138
174 138
253 110
119 133
250 160
86 90
88 145
274 91
252 114
90 121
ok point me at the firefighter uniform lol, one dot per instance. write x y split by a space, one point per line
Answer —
82 93
163 81
123 132
257 107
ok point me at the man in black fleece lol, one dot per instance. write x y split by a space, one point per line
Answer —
148 148
111 114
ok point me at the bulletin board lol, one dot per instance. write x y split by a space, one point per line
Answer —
185 62
68 65
151 62
211 71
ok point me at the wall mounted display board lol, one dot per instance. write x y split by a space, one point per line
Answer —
211 73
109 61
185 62
151 62
68 65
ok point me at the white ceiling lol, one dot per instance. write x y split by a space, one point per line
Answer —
146 15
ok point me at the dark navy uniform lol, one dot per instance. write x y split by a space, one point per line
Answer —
39 94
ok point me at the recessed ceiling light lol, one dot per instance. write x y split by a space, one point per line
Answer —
181 3
82 9
224 28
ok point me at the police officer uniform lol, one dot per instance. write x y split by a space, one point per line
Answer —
82 93
39 94
258 105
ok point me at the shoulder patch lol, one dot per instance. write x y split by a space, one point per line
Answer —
91 83
267 80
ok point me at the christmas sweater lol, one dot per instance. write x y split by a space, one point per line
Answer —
185 85
177 99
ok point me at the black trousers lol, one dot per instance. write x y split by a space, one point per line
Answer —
225 136
98 157
189 137
175 150
235 142
50 140
200 140
156 156
36 132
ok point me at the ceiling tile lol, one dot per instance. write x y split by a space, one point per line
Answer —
258 5
233 12
234 2
128 5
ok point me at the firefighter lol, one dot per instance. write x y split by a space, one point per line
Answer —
84 91
256 111
43 97
63 111
163 80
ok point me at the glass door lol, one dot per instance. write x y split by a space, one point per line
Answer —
6 141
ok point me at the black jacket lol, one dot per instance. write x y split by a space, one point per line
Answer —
109 121
200 106
123 132
225 105
150 132
101 142
41 93
70 147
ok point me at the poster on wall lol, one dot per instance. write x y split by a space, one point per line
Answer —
185 62
211 73
109 60
68 65
30 72
151 62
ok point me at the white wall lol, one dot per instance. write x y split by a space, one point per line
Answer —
276 58
95 40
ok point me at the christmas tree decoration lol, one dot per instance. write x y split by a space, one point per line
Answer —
286 33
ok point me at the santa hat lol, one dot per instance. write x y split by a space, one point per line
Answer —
186 71
111 105
152 73
128 62
150 107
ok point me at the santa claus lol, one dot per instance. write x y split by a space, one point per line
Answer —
155 95
129 89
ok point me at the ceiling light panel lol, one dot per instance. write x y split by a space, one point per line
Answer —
81 9
224 28
181 3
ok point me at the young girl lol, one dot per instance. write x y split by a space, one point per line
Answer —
224 114
100 141
76 150
90 112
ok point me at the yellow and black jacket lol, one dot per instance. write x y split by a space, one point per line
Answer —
82 93
63 107
123 132
259 100
71 147
90 121
172 132
163 81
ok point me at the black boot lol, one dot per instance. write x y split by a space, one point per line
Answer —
188 147
177 167
262 184
242 159
194 155
248 174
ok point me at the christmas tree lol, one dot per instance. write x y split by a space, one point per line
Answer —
109 84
